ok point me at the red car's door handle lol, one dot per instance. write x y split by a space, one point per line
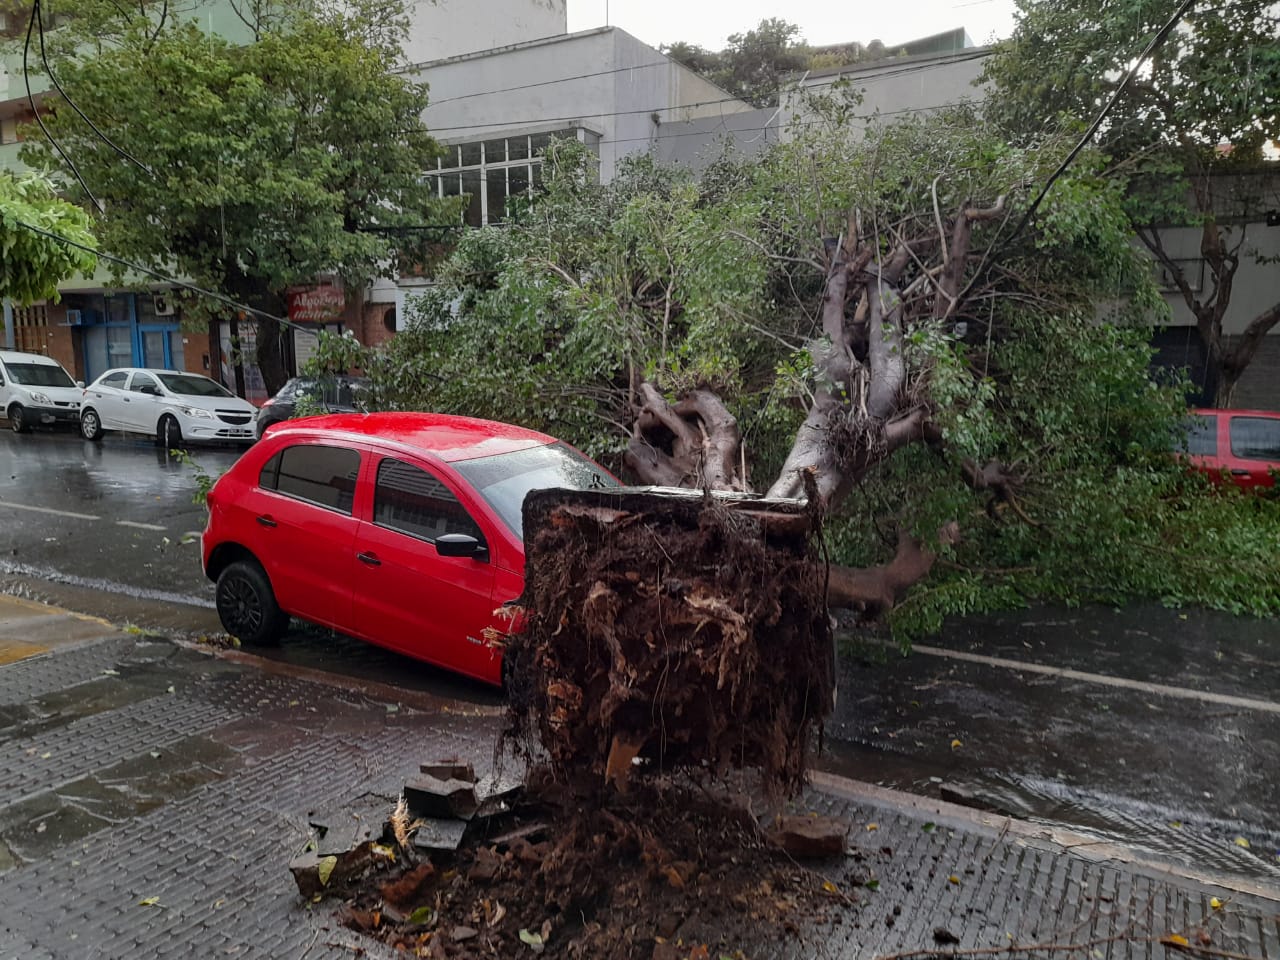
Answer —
266 521
370 558
1239 473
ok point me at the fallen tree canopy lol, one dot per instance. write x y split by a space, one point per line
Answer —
668 631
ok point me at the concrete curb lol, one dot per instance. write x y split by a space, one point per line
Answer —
1048 837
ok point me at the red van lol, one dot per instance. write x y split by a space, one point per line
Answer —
1242 446
401 529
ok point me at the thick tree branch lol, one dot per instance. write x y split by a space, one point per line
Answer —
876 590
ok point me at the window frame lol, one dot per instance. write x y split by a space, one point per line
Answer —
532 160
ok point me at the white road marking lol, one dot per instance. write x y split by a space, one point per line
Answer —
140 526
1160 689
56 513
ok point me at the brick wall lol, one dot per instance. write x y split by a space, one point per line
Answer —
377 324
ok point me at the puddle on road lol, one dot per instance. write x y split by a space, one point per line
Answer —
1161 833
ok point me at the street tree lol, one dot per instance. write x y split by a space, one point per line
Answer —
754 64
32 264
854 319
1188 134
246 164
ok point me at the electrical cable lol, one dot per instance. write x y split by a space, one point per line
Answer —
977 53
913 68
26 76
44 58
1156 41
211 294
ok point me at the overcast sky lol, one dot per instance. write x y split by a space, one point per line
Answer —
708 22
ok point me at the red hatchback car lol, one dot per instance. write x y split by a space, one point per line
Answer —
402 529
1242 446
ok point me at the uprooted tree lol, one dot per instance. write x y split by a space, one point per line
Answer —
840 314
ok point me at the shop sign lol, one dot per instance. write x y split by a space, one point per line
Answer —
318 304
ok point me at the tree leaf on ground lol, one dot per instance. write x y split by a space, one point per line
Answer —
1175 940
324 869
423 915
872 885
149 902
1242 842
534 940
929 827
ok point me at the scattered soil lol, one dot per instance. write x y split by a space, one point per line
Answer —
664 873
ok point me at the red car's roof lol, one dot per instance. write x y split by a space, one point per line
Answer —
447 437
1231 412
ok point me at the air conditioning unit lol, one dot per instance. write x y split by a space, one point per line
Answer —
164 304
75 318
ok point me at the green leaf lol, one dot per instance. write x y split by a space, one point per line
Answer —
324 869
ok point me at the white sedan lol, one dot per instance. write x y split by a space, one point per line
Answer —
166 404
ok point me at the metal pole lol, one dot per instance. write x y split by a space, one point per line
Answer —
10 335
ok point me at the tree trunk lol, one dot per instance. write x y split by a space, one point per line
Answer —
270 354
1232 363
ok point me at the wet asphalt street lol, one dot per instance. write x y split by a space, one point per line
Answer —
1154 727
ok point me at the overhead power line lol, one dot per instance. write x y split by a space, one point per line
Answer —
194 288
1160 37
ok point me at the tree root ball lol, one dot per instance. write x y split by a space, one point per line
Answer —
670 630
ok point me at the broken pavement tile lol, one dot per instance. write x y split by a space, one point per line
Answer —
435 834
314 874
810 836
449 770
430 796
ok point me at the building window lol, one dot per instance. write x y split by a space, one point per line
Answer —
491 172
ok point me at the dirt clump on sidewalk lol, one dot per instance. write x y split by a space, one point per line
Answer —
668 638
666 872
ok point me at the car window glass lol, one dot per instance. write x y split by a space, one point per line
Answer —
410 500
116 380
1200 436
1255 438
39 375
321 475
141 380
193 385
269 477
504 479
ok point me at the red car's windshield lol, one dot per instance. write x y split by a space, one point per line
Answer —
505 479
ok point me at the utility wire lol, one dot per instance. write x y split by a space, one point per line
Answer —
44 58
211 294
897 72
26 75
1156 41
912 68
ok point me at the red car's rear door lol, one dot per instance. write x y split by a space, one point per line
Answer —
1252 444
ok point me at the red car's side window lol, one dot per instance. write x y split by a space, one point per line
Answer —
1201 436
1255 438
410 500
323 475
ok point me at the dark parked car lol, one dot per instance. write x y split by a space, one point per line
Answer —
337 394
1242 446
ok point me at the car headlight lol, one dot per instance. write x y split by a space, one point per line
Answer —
197 413
40 398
